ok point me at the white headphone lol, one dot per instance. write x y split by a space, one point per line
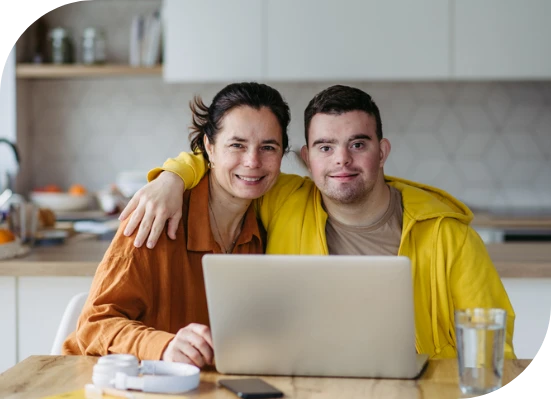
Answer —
121 372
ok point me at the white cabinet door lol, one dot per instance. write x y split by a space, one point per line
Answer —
212 40
358 39
8 342
42 301
531 300
502 39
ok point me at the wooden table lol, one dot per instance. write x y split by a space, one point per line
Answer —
39 376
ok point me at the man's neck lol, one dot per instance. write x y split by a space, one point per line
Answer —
362 213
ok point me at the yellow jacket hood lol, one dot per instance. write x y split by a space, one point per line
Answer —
423 202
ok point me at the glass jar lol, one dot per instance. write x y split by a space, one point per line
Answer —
60 46
93 46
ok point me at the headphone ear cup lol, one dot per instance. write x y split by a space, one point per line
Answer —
105 370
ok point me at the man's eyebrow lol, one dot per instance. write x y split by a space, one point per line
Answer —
243 140
271 141
334 141
324 141
359 137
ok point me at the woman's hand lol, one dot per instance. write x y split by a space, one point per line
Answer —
192 345
155 203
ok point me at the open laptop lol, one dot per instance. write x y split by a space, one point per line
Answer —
334 316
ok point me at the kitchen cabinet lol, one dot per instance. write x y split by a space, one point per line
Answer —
357 40
41 303
502 39
8 340
213 40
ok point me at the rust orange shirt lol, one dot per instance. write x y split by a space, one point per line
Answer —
141 297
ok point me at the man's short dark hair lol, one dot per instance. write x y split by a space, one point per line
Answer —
339 99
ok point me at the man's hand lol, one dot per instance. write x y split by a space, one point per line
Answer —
191 345
155 203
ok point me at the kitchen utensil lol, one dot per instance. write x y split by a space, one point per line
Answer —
23 221
5 196
51 237
7 178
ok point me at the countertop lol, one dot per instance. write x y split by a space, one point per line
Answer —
39 376
512 220
81 256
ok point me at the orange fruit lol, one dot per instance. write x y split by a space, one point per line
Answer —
77 189
6 236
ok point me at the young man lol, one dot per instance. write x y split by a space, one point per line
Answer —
352 208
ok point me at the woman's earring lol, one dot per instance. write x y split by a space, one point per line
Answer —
211 165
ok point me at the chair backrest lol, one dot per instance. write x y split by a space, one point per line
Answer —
68 321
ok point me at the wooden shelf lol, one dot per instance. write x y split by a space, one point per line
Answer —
49 71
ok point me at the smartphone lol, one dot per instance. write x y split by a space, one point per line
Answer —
252 388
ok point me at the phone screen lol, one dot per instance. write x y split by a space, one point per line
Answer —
251 388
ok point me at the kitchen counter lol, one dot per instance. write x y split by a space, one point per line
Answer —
81 256
512 220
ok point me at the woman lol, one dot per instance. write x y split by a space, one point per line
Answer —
152 303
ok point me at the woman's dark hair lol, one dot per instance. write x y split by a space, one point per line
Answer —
206 120
337 100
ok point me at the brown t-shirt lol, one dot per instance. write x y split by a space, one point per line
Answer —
141 297
380 238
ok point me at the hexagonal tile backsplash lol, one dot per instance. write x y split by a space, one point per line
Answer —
489 144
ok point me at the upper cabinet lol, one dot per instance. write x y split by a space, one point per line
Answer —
357 40
502 39
213 40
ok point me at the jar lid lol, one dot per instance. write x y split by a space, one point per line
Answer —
59 33
92 32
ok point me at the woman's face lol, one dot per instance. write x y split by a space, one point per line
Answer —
247 152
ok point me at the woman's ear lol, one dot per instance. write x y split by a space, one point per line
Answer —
208 146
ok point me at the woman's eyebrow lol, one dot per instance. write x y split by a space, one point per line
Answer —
243 140
271 141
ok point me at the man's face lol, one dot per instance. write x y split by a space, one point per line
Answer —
344 156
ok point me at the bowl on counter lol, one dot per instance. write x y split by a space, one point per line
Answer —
59 202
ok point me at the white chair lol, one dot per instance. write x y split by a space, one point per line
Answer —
68 321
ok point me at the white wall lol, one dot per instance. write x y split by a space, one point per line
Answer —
487 143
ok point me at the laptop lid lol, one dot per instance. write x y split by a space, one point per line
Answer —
340 316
